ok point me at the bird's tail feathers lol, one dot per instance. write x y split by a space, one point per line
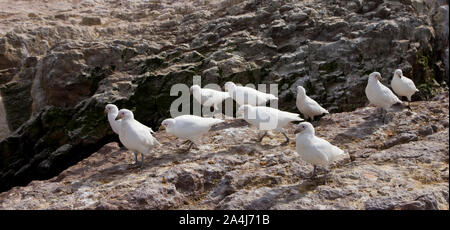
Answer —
156 141
272 97
217 121
293 116
225 95
341 156
214 121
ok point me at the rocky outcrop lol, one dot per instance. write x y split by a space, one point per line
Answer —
4 130
231 171
74 57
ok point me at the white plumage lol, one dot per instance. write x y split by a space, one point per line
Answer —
402 85
135 136
378 94
307 106
189 127
246 95
267 118
112 112
315 150
208 97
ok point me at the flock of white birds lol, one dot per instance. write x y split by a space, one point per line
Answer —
312 149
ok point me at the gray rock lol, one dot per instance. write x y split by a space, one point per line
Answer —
90 21
62 16
425 131
400 139
425 202
57 75
230 171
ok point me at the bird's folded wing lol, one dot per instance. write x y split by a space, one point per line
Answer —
145 127
411 84
211 97
316 152
327 148
315 107
290 116
192 125
140 134
156 141
389 95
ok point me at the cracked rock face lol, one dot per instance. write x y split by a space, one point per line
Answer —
329 47
61 62
4 129
231 171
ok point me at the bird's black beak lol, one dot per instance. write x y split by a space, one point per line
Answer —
297 130
118 117
106 111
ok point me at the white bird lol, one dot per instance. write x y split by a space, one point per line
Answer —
208 97
315 150
402 85
267 118
112 112
246 95
135 136
189 127
380 95
307 106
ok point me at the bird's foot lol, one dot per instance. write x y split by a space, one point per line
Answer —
261 138
285 143
313 174
185 142
186 151
387 118
182 151
189 148
134 165
255 139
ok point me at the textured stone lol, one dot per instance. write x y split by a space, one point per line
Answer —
90 21
57 64
231 171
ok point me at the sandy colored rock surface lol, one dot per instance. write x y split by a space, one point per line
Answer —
231 171
61 62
